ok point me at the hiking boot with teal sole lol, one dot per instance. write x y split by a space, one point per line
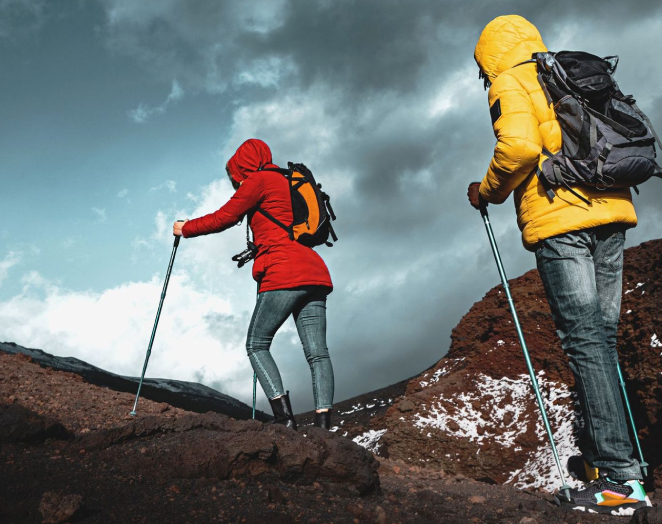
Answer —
606 496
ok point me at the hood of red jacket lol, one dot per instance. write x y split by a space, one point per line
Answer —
251 156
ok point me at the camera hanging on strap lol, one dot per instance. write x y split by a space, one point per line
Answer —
247 254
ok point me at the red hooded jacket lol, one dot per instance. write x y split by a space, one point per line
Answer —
281 263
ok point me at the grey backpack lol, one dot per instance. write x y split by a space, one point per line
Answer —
608 142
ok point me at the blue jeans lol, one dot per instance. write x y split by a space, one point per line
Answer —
308 306
582 273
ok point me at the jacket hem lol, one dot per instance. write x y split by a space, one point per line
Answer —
291 285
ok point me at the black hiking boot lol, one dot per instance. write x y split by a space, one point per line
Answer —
323 420
283 411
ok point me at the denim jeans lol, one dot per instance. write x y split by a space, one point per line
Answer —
308 306
582 273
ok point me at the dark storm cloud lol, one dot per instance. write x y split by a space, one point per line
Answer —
413 256
20 18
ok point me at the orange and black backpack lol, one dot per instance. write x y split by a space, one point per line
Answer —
311 208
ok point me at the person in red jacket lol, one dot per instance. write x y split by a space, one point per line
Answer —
292 278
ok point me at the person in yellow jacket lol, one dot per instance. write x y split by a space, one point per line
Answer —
579 254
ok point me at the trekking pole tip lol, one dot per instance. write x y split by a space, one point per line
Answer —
566 490
644 468
133 413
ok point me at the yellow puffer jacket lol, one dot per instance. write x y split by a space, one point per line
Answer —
525 125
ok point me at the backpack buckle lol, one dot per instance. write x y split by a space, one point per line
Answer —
545 61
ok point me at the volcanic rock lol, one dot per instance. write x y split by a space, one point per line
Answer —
18 424
186 395
214 446
647 516
474 413
57 507
176 466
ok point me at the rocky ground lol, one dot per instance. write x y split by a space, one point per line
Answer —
190 396
69 452
352 417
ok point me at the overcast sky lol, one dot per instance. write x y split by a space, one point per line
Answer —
117 117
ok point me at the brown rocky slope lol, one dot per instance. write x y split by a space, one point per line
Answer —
69 452
474 413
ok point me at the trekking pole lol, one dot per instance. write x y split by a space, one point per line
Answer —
156 323
254 372
254 391
520 334
642 463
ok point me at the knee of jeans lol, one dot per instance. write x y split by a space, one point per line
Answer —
255 344
319 356
611 312
584 306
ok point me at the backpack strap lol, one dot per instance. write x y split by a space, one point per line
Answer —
529 61
287 173
618 127
559 178
545 184
548 190
558 175
288 229
603 158
284 172
593 131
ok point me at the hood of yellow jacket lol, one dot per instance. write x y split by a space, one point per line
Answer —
505 42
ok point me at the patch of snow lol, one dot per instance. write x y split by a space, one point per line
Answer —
540 470
628 312
639 285
370 439
510 398
461 411
360 407
440 373
500 343
655 342
628 291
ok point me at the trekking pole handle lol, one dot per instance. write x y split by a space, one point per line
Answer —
482 205
178 238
